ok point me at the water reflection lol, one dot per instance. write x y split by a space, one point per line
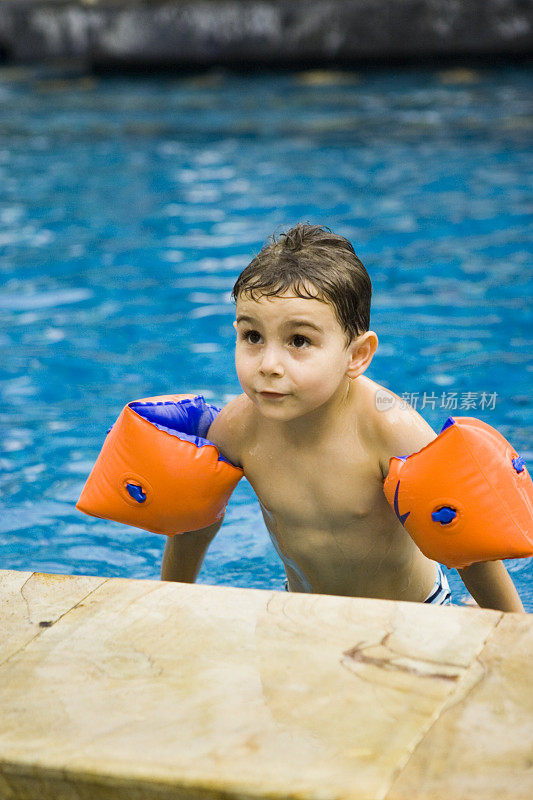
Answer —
129 207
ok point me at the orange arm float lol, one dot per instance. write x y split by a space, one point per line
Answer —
156 469
465 497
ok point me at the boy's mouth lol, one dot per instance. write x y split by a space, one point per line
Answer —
271 395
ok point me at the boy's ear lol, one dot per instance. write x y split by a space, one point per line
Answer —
235 325
361 352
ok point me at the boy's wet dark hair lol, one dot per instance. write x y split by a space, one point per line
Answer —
314 263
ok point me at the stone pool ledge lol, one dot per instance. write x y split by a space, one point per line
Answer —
113 688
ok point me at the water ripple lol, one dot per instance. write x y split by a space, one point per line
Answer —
130 206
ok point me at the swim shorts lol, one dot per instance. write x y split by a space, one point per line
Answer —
440 595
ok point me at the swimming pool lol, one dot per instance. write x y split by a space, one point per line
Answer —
127 210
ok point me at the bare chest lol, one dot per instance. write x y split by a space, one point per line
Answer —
328 485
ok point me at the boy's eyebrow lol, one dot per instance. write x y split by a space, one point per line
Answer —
304 323
293 323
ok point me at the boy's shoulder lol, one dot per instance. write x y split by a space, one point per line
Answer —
395 427
230 429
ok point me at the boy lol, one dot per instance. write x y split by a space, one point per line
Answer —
311 440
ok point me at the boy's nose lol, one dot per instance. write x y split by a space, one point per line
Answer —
271 362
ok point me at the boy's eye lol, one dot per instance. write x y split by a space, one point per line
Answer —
252 337
300 341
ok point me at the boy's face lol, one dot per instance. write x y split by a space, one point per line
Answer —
291 354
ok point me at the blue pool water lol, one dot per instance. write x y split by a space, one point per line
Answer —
127 209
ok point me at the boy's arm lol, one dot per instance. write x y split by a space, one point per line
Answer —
184 554
228 429
402 431
491 586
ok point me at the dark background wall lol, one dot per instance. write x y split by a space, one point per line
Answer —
195 33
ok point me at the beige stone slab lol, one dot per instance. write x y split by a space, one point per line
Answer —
32 601
482 744
228 693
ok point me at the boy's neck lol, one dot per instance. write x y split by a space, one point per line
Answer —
323 419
